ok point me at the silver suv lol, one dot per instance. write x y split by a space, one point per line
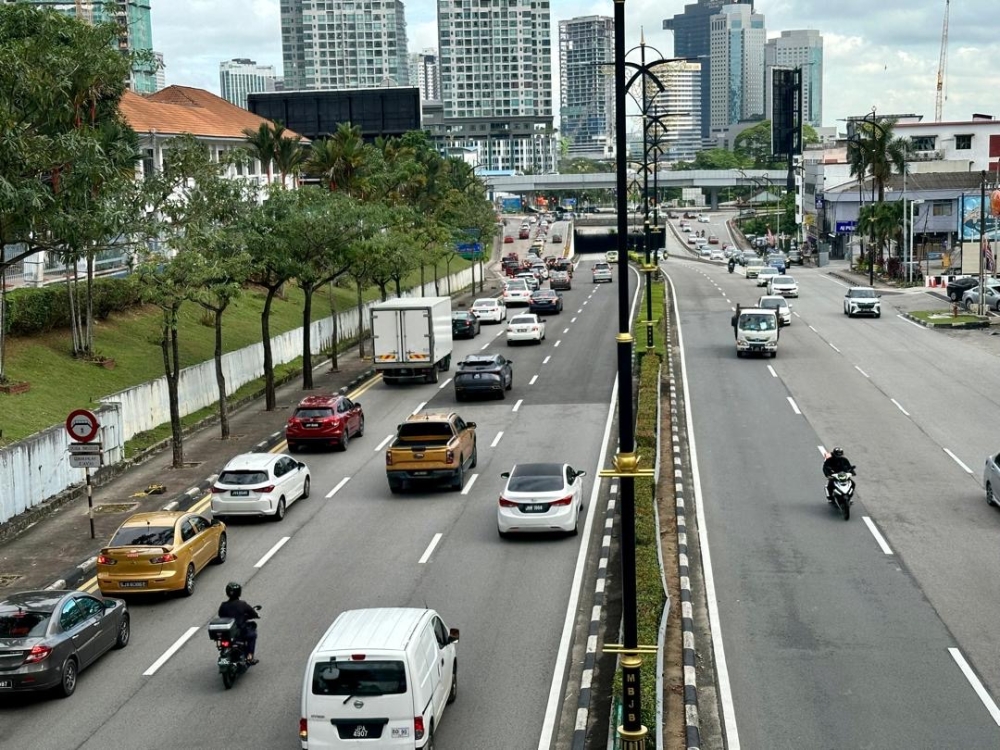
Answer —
602 272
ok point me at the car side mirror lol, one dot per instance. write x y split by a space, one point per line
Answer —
216 522
879 296
357 404
301 465
580 473
471 425
109 603
505 475
453 635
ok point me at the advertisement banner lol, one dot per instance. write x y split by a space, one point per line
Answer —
972 211
511 205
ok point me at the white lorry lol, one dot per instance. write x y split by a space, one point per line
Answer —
412 338
757 332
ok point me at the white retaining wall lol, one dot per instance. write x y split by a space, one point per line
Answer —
37 468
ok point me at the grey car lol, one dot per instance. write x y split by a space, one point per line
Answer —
991 479
47 637
970 299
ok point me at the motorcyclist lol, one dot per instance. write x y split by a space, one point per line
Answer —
835 463
243 613
732 263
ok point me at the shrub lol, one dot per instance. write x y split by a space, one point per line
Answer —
37 310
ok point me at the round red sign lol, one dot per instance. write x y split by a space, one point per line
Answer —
82 425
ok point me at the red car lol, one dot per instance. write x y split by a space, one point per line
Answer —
524 234
325 420
508 238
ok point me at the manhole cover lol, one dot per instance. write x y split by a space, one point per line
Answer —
7 579
116 508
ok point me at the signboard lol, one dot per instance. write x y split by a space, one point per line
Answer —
511 205
82 425
80 448
846 227
470 250
819 202
971 215
85 460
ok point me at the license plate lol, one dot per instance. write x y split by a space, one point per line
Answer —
420 473
312 425
535 507
399 733
6 684
132 584
240 493
756 347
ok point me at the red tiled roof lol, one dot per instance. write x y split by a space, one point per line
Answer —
182 109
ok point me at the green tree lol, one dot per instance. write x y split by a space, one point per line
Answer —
712 158
262 144
876 151
289 156
341 161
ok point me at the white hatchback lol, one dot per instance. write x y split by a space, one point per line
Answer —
525 328
490 309
259 484
541 497
783 285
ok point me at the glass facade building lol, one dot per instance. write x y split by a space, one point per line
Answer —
802 48
736 81
586 85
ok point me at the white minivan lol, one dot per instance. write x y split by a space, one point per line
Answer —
379 678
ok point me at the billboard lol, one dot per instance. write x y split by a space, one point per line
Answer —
972 211
786 112
511 205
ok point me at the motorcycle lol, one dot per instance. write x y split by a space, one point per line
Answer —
732 266
232 647
843 491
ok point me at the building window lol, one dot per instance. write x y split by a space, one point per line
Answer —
923 142
148 163
941 208
963 142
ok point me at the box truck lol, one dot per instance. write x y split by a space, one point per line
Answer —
412 338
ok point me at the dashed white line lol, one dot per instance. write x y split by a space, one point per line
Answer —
485 346
771 370
468 485
546 360
907 320
795 407
384 443
518 404
877 534
861 371
556 344
728 301
796 314
958 461
441 387
822 450
900 406
984 696
533 379
430 549
496 440
579 311
565 330
585 301
272 552
170 651
834 348
420 406
338 487
813 329
573 320
500 333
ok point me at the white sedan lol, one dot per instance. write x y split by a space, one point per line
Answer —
765 274
490 309
541 497
527 327
516 292
786 286
259 484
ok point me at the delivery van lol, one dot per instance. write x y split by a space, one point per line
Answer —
379 678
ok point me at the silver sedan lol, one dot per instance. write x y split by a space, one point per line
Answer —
970 299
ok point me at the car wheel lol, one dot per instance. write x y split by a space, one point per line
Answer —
345 441
953 296
70 671
279 513
475 457
502 534
968 305
305 488
292 447
453 694
223 549
510 383
395 487
459 480
124 631
990 498
361 427
188 581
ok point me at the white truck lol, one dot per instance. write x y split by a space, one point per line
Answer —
412 338
757 332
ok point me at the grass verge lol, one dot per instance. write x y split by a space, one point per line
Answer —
944 318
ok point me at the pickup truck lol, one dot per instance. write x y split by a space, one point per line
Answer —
431 446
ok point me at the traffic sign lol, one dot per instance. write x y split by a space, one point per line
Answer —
80 448
85 460
82 425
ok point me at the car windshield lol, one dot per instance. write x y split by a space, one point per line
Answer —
752 322
460 315
23 624
242 477
352 678
862 293
523 320
144 536
772 304
783 280
313 413
485 303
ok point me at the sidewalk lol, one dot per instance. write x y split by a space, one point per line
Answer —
57 549
841 269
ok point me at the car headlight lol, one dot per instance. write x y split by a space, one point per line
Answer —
741 342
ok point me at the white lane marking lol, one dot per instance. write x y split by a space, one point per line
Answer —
728 301
907 320
338 487
733 309
272 552
813 329
485 346
579 311
877 534
496 440
468 485
834 348
533 379
900 406
838 283
546 360
565 330
441 387
171 651
795 407
556 344
796 314
822 451
573 320
585 301
499 334
958 461
430 549
984 696
384 443
420 406
861 371
518 404
771 370
725 690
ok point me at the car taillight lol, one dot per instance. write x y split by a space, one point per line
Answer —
563 500
418 727
162 559
269 488
388 458
303 729
449 457
37 654
224 644
105 560
505 503
534 328
217 490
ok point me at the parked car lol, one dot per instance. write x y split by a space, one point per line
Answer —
545 301
260 484
540 497
47 637
464 324
957 287
492 374
490 309
991 298
329 420
525 327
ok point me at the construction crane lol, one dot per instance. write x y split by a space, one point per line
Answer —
942 65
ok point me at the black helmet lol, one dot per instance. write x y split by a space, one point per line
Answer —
837 452
233 590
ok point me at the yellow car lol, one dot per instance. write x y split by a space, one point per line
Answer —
160 551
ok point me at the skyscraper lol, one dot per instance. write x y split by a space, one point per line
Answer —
737 54
425 74
161 71
347 44
676 131
586 85
241 76
801 48
692 34
496 81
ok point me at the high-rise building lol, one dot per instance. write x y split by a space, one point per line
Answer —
496 81
425 74
676 130
737 54
161 71
241 76
801 48
345 44
692 35
586 85
137 30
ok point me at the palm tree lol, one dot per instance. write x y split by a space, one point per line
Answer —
341 160
261 143
877 152
288 157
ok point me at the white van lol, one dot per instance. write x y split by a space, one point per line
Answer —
757 332
379 678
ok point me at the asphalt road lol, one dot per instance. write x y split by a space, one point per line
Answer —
353 544
841 634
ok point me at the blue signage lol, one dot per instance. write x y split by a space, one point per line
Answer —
511 205
846 227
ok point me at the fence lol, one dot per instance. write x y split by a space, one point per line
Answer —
37 468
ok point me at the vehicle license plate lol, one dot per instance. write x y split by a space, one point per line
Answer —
360 731
420 473
240 493
400 732
756 347
312 424
132 584
6 684
535 507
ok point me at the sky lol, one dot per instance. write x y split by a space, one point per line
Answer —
881 55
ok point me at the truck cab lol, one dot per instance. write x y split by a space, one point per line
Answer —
757 332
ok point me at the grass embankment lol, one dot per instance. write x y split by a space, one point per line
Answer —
60 383
944 318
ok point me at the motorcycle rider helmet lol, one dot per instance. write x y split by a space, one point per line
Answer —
838 452
233 590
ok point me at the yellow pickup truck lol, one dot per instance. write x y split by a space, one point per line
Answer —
431 447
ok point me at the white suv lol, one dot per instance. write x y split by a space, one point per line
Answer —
862 300
602 272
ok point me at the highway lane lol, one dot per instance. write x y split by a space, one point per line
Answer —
819 623
508 598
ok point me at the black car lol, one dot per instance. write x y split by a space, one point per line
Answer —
560 280
491 374
464 324
545 301
957 287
